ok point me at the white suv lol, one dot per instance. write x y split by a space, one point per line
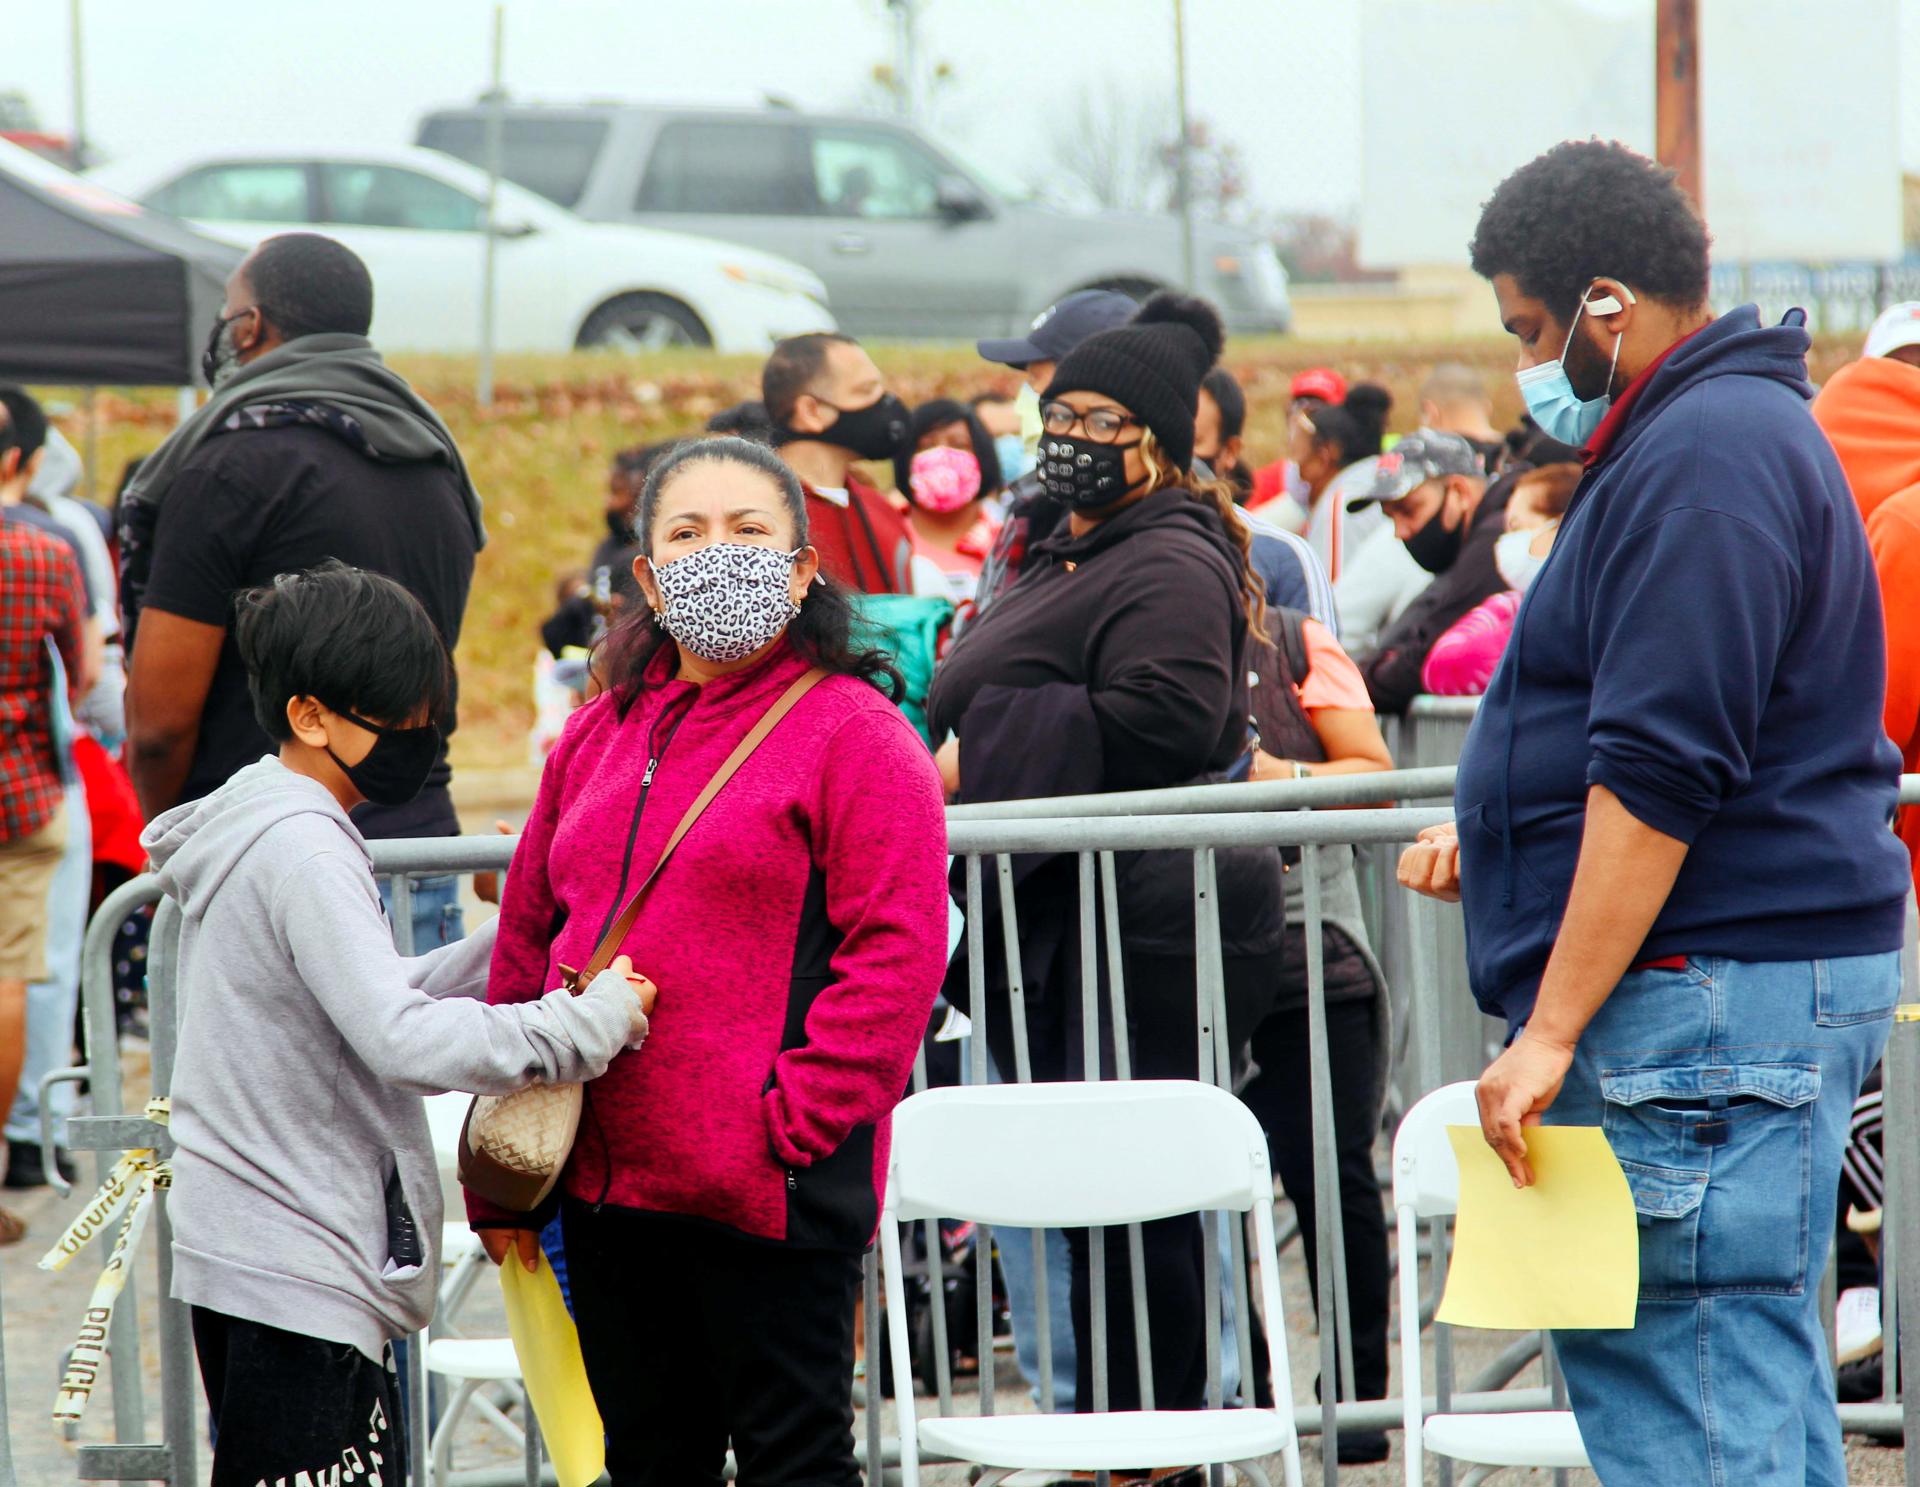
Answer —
418 219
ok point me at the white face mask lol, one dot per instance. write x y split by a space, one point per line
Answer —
728 600
1026 403
1513 556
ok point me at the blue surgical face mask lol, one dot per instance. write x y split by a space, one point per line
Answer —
1561 412
1015 458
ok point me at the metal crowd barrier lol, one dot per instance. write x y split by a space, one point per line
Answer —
1094 837
1200 821
1431 734
1452 1046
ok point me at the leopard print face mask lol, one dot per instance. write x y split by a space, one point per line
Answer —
726 601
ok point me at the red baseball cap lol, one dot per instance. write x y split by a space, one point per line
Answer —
1319 382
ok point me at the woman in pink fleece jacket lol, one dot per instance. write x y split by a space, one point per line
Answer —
723 1187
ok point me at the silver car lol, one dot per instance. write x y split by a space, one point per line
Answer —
909 241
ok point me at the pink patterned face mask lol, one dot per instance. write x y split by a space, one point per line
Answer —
945 479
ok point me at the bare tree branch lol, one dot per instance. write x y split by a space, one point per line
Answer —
1110 144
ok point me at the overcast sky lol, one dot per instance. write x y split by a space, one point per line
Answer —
1278 77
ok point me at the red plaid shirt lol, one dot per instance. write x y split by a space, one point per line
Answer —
41 599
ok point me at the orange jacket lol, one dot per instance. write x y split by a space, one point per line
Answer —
1871 412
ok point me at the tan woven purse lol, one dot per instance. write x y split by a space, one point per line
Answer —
514 1147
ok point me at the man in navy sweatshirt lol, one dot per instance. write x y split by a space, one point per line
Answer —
1672 841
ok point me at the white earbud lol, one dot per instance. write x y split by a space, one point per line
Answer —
1608 305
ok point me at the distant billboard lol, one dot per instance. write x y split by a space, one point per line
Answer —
1799 116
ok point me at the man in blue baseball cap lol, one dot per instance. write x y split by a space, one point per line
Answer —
1056 330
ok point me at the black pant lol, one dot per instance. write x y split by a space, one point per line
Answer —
289 1407
1163 1041
1282 1097
694 1337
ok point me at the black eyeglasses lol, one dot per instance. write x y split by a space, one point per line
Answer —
1103 425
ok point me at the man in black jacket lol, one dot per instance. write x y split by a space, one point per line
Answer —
1434 489
310 448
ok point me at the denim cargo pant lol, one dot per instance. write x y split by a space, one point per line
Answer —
1725 1090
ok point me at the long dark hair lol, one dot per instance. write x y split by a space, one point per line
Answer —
937 415
824 633
1217 496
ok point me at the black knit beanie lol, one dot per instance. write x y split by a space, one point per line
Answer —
1152 366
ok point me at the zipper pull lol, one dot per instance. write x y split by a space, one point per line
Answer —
793 1183
647 778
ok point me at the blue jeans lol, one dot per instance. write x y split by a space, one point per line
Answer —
438 918
52 1004
1023 1304
1725 1090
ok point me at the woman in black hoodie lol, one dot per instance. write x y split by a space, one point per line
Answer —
1119 662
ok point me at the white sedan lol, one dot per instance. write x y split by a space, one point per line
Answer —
418 219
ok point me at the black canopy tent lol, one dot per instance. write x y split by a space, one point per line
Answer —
95 290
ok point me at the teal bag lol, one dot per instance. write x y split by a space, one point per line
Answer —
908 628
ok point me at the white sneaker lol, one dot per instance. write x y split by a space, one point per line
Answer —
1856 1325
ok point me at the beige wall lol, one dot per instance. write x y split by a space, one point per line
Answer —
1422 304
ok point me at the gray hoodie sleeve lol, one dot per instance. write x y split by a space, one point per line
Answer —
327 916
459 969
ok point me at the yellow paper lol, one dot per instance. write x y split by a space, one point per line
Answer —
1562 1253
548 1347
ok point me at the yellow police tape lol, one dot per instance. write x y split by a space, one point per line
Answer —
128 1190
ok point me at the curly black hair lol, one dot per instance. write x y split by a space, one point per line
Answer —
1587 209
829 632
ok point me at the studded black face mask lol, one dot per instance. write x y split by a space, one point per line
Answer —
1087 476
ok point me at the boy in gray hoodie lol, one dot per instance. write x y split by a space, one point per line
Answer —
306 1201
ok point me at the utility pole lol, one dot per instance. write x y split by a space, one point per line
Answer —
1676 91
77 153
1183 161
77 147
906 58
496 103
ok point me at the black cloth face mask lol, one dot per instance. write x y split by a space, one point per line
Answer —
1436 547
875 432
396 767
221 358
1085 475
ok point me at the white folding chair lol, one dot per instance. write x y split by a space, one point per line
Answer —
462 1261
1426 1185
484 1370
475 1363
446 1114
1059 1156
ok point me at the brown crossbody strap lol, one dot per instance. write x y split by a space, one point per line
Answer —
622 926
